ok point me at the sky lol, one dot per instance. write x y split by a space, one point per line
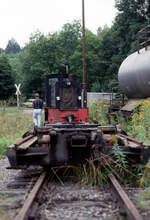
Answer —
20 18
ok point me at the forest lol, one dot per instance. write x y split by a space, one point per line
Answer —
49 54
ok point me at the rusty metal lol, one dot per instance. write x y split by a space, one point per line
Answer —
107 129
131 210
27 144
79 141
44 140
16 168
131 139
84 57
24 140
29 201
35 206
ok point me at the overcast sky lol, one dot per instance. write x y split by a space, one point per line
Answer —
20 18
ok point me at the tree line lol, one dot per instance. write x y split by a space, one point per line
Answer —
49 54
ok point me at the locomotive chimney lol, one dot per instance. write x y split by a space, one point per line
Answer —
84 58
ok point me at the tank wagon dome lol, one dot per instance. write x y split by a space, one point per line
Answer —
134 74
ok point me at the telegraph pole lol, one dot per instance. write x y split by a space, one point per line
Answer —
84 57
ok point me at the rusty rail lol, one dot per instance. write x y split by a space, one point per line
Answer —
131 139
24 212
131 210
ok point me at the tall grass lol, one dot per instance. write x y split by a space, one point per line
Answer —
13 124
95 172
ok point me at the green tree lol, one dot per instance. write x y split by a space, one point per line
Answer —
119 41
92 59
1 50
16 61
6 79
39 59
47 55
132 16
12 47
107 64
68 40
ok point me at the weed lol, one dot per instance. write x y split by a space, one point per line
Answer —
143 199
95 172
139 125
120 157
145 178
99 111
14 123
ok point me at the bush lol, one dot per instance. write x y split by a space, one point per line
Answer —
139 125
99 111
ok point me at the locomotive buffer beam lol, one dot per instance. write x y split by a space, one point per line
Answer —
25 149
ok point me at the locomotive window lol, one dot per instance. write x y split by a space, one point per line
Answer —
68 99
53 81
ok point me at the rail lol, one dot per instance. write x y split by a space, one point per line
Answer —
24 212
130 209
28 211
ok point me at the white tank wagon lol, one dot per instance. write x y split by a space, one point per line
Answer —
134 72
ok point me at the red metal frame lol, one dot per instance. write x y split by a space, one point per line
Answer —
56 115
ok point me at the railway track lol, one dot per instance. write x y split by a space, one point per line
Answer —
14 188
28 211
74 198
127 208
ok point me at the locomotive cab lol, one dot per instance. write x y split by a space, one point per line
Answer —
64 99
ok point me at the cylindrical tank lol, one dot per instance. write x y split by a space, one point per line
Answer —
134 74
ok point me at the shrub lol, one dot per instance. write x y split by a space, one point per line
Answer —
139 125
99 111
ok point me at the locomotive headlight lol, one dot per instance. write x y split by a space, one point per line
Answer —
68 83
58 98
79 97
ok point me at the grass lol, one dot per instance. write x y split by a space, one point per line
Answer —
95 172
143 199
7 110
14 123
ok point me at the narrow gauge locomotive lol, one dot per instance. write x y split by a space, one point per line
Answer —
67 137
